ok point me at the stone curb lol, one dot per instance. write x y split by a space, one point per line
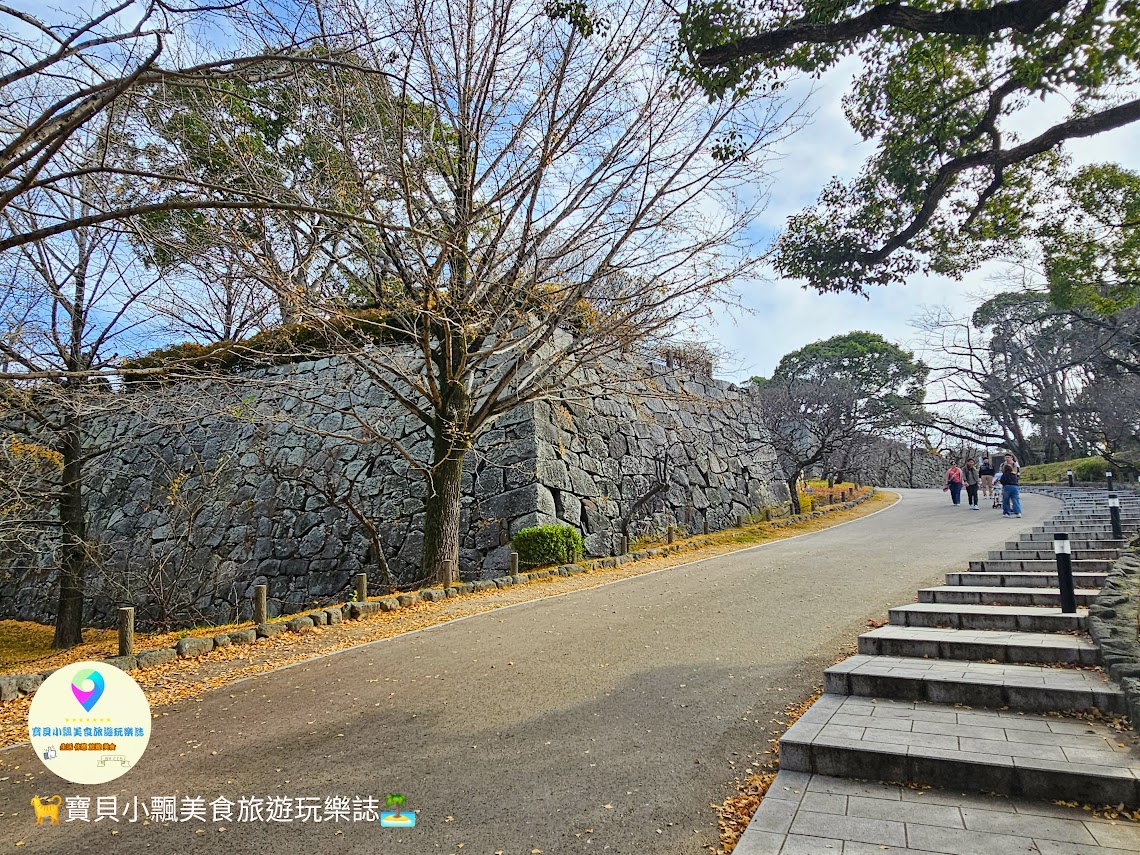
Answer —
1114 626
14 686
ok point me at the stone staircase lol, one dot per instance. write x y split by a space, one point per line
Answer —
983 685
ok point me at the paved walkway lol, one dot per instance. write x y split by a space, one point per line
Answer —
602 721
806 814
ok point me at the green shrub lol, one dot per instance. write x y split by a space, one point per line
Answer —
548 544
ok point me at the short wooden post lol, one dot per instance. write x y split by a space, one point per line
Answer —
669 535
624 544
126 631
514 564
767 514
705 526
260 604
361 587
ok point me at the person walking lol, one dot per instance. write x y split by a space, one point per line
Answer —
1010 491
954 483
986 474
971 479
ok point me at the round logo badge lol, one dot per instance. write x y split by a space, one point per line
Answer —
89 722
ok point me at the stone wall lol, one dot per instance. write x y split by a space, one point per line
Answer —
597 457
205 490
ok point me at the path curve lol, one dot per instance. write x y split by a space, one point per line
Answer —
603 720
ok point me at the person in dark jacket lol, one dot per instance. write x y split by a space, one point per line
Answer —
986 474
971 479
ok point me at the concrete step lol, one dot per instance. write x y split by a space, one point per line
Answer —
1001 618
1035 756
1028 688
825 815
1102 518
1107 542
1127 509
1047 554
1079 529
1023 580
1019 647
1003 596
1039 566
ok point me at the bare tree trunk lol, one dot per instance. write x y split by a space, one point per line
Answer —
73 547
794 493
441 510
441 516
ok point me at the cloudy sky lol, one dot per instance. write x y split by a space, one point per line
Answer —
780 316
783 316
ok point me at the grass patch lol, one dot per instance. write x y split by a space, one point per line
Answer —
756 530
1085 470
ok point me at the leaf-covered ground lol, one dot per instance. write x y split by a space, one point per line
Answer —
26 646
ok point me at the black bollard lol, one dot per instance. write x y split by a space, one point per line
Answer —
1063 550
1108 479
1069 473
1114 515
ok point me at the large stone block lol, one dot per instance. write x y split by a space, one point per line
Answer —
152 658
8 689
516 503
189 647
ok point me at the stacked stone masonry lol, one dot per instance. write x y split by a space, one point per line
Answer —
265 481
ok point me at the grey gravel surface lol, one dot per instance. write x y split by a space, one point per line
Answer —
606 720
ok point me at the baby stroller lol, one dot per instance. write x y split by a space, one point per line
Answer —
997 494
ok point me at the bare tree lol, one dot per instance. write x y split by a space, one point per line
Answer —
343 488
68 305
806 422
62 77
560 198
1012 373
163 577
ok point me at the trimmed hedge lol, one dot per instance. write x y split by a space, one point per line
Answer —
548 544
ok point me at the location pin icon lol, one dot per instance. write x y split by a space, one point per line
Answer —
87 686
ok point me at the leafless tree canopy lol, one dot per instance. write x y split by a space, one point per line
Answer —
529 202
74 84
